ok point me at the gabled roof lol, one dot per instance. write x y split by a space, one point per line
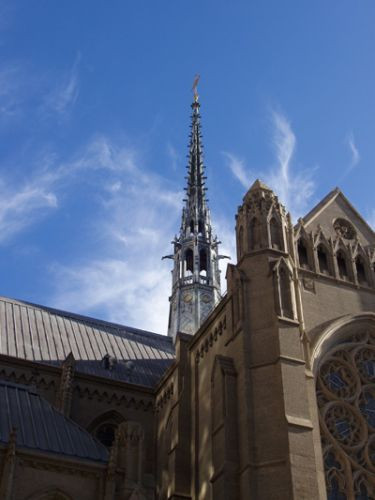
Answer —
39 426
46 335
327 200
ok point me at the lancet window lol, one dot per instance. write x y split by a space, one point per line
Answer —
323 261
276 234
203 262
189 261
283 289
254 234
361 270
346 400
285 293
303 256
342 265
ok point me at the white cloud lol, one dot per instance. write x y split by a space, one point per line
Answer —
124 277
173 155
238 169
355 156
294 188
62 98
19 208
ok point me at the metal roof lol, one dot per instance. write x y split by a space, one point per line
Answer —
40 426
47 335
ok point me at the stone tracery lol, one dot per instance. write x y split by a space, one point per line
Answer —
346 401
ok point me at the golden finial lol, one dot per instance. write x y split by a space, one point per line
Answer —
194 88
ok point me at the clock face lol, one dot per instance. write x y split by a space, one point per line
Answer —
187 297
344 229
206 298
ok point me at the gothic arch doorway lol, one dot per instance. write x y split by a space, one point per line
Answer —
345 390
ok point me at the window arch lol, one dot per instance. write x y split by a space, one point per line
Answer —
323 259
342 265
276 234
285 293
360 267
104 427
105 433
254 234
303 256
203 262
189 261
345 390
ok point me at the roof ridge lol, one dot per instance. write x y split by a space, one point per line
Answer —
87 319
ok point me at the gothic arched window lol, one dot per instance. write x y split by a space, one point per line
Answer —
303 257
254 234
345 389
323 259
203 262
285 293
361 271
192 226
104 426
342 265
276 234
105 433
189 260
201 227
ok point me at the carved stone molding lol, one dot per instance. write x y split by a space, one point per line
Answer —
114 398
166 394
210 338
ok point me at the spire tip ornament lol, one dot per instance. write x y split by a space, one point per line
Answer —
195 87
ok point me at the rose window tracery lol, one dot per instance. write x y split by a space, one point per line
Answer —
344 229
346 400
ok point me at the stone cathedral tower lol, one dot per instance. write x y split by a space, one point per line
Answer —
195 275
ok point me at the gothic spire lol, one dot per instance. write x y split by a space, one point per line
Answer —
195 190
195 276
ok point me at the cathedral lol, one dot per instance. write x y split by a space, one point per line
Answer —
266 392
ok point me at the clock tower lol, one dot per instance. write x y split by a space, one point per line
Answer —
195 274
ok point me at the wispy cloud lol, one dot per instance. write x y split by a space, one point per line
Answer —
293 187
238 169
355 156
173 155
62 98
20 207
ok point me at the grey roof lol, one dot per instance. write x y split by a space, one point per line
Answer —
46 335
39 426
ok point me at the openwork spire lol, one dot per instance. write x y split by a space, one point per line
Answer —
195 211
196 275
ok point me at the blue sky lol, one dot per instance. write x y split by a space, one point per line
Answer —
94 116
